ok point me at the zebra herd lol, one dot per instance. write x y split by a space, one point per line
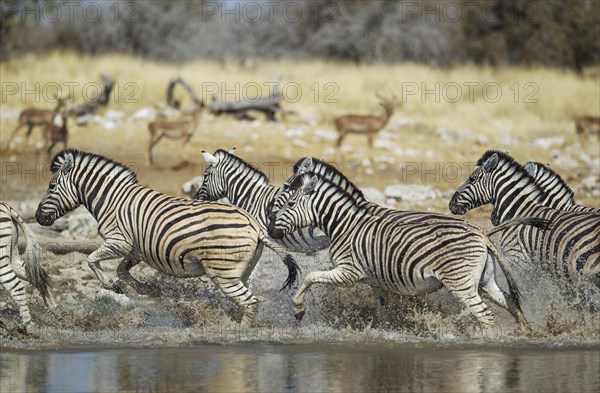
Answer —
404 252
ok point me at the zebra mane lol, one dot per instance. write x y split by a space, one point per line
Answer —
244 166
536 190
300 181
547 172
83 159
333 175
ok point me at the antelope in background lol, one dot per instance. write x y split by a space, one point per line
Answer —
178 129
369 125
587 125
56 131
32 117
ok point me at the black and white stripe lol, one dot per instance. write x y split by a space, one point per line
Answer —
570 247
12 267
179 237
409 258
228 176
556 193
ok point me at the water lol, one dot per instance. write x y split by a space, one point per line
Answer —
303 368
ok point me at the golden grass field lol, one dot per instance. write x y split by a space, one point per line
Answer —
498 108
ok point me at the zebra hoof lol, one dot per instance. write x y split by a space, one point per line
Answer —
116 288
299 315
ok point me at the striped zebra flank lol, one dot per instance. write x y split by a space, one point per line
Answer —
228 176
570 247
13 268
556 192
408 258
178 237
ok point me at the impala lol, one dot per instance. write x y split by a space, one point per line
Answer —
369 125
178 129
32 117
587 125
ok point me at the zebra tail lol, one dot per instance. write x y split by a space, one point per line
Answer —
513 289
537 222
34 271
288 261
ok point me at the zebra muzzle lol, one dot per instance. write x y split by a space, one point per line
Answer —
275 233
43 219
455 207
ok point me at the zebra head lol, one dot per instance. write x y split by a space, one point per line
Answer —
295 213
214 183
303 166
62 195
477 190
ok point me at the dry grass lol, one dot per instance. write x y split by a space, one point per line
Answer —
424 130
560 95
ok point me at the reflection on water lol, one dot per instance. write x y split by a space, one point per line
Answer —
299 368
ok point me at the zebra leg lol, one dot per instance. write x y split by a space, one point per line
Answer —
14 286
235 290
9 279
106 251
343 275
125 275
466 293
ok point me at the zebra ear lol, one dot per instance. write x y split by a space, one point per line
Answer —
529 167
209 158
232 151
491 162
312 183
306 166
67 164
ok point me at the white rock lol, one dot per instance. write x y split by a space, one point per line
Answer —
192 186
383 143
374 195
325 134
114 114
548 142
146 113
411 192
297 132
86 119
299 143
81 224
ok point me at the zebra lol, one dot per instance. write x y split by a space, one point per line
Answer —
331 173
409 258
571 247
175 236
557 194
13 269
228 176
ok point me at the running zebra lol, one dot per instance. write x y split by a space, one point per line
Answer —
332 174
571 246
409 258
557 194
179 237
12 267
228 176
